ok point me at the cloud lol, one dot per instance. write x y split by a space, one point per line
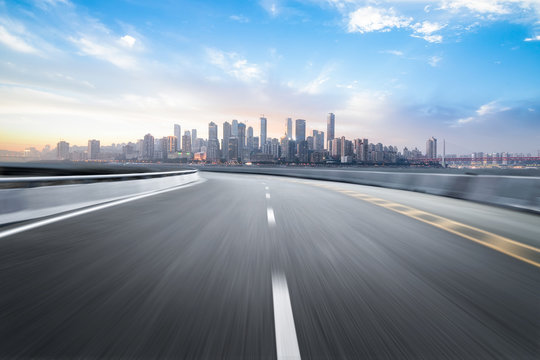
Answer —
128 41
368 19
491 108
534 38
434 60
239 18
106 52
234 65
315 86
393 52
426 29
15 42
478 6
484 111
271 6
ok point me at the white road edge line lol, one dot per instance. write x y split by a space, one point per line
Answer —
286 341
270 215
267 196
90 209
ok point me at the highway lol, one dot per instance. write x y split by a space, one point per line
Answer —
265 267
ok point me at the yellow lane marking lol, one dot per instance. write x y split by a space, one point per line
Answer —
523 252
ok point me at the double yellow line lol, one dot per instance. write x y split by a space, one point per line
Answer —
523 252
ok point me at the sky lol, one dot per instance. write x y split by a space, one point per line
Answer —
396 72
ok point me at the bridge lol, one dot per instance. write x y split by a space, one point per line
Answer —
253 265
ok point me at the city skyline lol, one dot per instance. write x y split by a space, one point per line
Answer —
396 71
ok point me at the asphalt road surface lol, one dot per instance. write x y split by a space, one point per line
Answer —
247 266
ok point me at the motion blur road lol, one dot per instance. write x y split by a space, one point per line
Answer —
207 271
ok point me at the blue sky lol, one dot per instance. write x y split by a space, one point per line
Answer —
396 72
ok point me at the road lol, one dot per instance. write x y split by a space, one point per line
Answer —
248 266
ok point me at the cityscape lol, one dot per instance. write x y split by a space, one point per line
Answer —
241 144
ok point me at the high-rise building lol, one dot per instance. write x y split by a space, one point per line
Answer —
212 150
330 127
193 136
263 132
289 129
148 147
302 151
241 134
234 128
365 149
249 143
62 150
336 148
318 140
431 148
93 149
233 149
225 140
172 144
178 134
186 142
300 131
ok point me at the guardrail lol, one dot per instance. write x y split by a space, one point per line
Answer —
25 198
518 192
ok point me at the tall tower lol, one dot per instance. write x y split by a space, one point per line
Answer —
225 141
300 131
289 128
178 134
330 127
234 128
241 134
431 148
263 132
193 136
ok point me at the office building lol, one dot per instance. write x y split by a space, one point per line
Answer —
233 149
62 150
300 131
241 134
148 147
172 144
330 127
234 128
178 134
193 137
289 129
431 148
93 149
263 132
186 142
249 141
225 141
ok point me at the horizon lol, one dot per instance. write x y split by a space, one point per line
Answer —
393 72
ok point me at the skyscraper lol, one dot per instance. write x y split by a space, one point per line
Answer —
225 140
186 142
300 131
234 128
172 143
241 134
289 128
431 148
93 149
193 136
178 134
212 151
62 150
233 149
263 132
250 145
330 127
148 147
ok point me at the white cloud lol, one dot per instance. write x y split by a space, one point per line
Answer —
426 29
393 52
479 6
434 60
271 6
368 19
491 108
534 38
239 18
104 51
15 42
128 41
235 66
315 86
